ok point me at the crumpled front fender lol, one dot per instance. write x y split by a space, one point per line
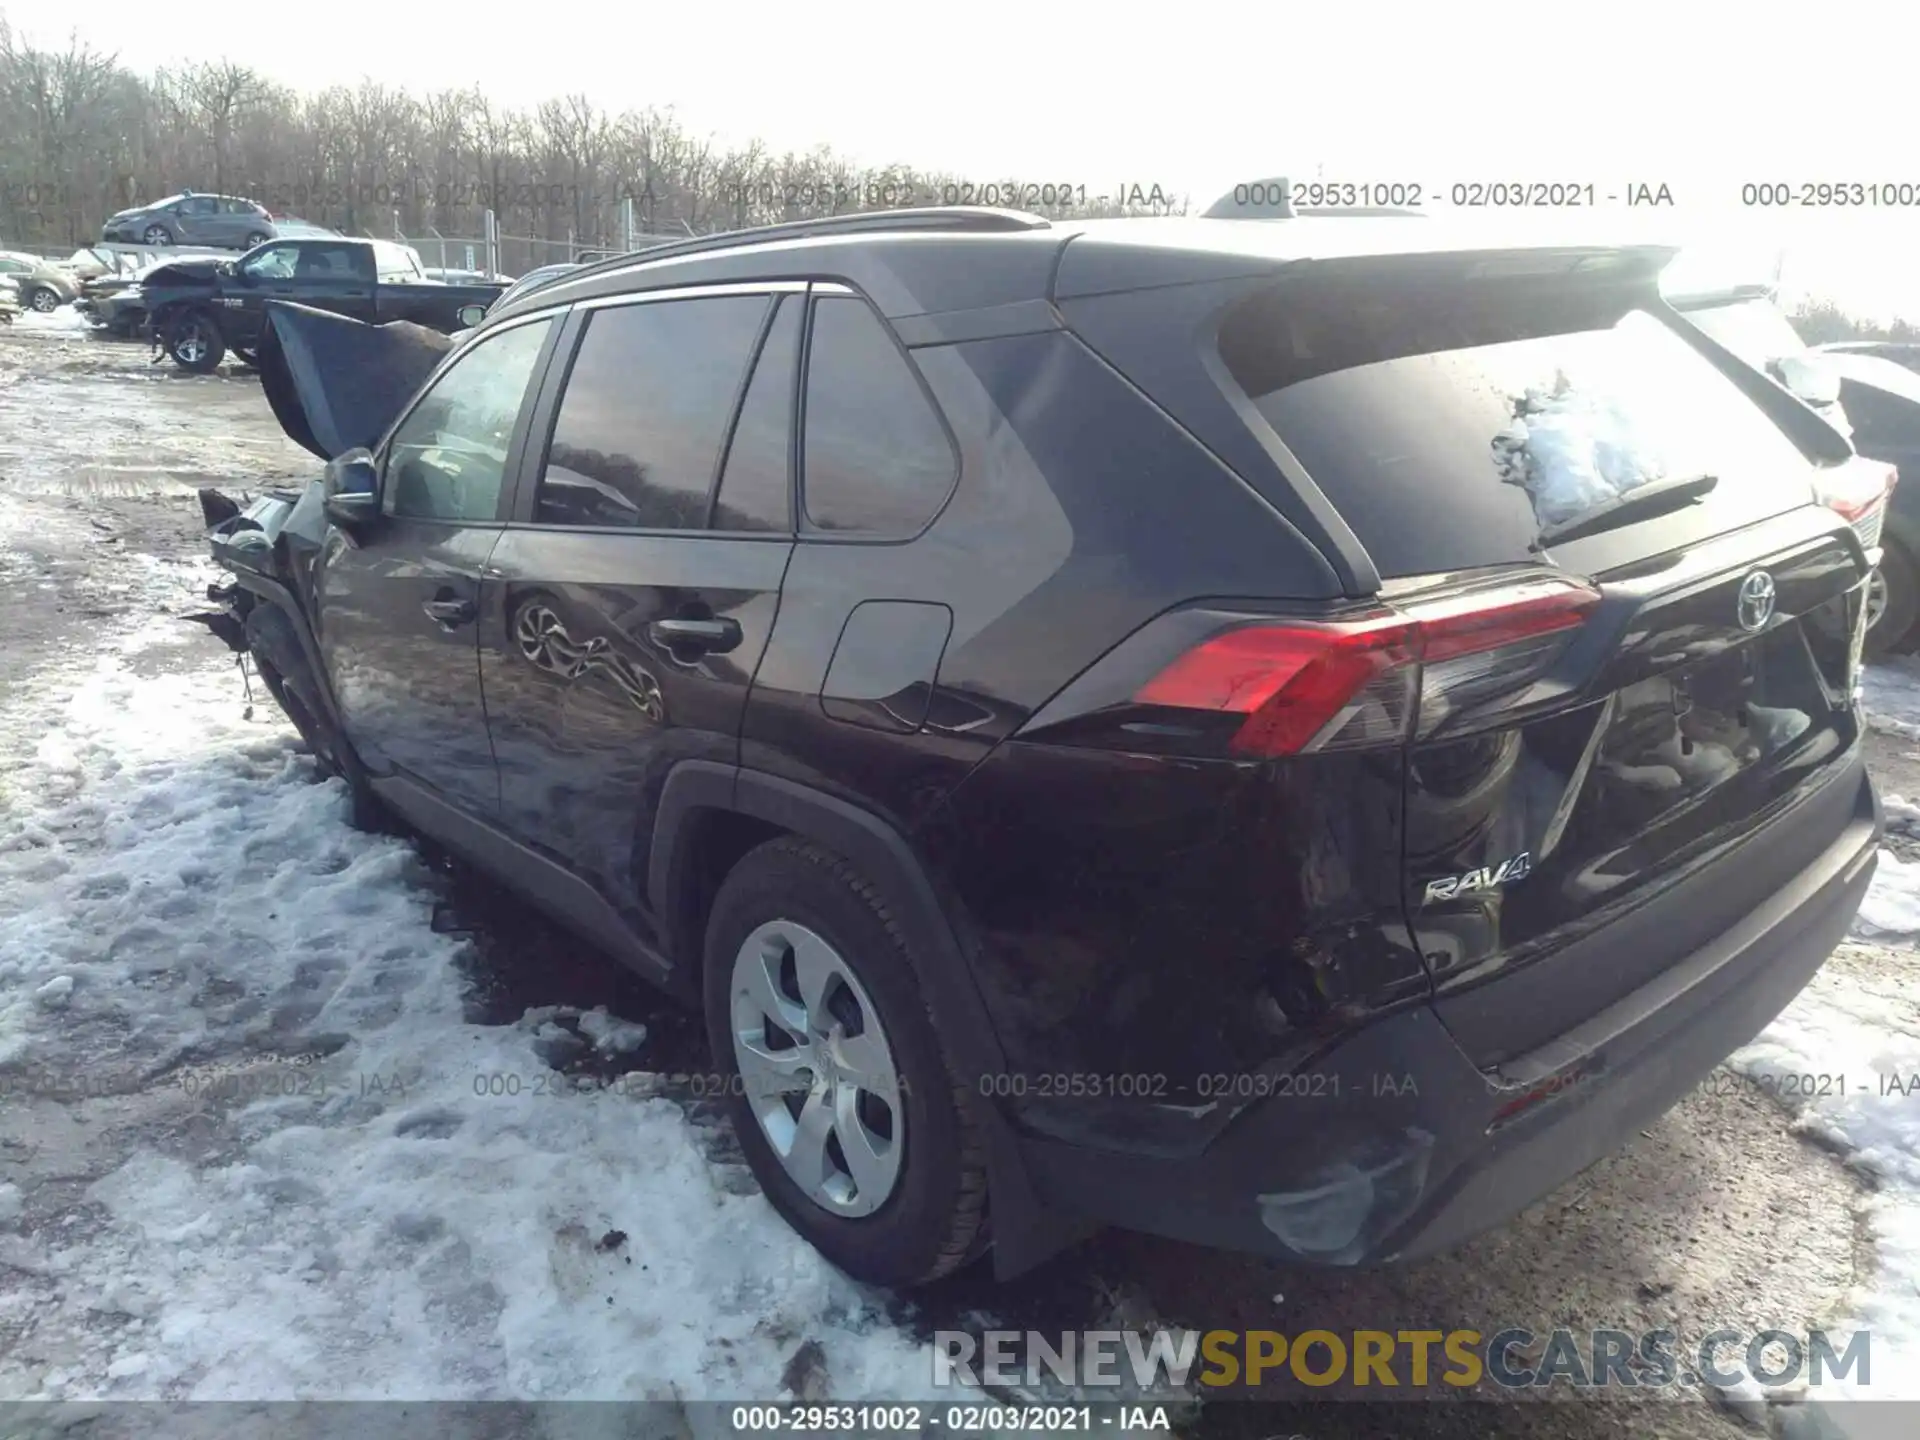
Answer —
336 384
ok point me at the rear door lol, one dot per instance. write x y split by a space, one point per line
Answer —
632 595
1612 553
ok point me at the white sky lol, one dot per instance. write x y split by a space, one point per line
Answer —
1193 96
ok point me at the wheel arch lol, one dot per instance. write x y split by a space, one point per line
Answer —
700 795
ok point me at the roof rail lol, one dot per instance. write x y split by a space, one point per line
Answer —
951 219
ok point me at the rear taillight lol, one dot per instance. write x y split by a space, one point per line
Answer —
1856 488
1392 672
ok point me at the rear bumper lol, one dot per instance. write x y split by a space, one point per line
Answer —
1393 1146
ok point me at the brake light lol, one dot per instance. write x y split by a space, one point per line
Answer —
1855 488
1390 672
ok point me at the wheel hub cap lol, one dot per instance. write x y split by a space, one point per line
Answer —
817 1070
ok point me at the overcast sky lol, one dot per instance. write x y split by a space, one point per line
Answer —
1192 96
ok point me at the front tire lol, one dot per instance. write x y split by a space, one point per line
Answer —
195 343
43 300
258 237
843 1101
156 235
1894 594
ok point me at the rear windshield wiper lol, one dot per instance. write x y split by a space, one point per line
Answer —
1659 497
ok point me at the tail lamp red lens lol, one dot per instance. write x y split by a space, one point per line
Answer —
1855 488
1307 686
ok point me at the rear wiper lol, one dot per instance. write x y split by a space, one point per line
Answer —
1658 497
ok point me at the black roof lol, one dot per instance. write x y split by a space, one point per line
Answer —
939 261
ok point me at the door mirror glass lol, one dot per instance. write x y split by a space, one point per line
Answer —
472 315
352 473
350 490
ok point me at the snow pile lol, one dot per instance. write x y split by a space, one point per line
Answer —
1891 696
1867 1030
1576 453
64 321
341 1188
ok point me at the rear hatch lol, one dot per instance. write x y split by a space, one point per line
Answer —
1612 697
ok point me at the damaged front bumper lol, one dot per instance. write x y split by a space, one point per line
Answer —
1393 1145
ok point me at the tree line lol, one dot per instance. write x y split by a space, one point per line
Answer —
1821 322
82 136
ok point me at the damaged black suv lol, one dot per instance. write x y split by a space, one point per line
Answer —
1108 719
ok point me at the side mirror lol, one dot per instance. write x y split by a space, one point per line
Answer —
350 491
1810 379
471 315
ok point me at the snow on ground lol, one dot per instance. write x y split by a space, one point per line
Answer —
1860 1019
65 321
185 915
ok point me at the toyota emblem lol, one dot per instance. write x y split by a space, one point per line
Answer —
1756 601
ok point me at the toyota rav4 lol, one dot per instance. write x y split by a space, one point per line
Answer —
1162 723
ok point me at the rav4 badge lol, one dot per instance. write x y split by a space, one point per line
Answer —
1487 877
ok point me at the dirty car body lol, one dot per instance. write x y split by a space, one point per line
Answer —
1294 852
200 309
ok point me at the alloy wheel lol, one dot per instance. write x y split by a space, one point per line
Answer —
191 347
45 301
1876 598
816 1068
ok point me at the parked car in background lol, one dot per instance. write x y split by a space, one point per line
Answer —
116 302
471 315
1901 353
967 653
226 221
466 277
198 310
1872 401
43 286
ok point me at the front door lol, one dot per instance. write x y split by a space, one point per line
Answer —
197 220
641 576
398 608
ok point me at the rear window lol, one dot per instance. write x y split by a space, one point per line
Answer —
1392 394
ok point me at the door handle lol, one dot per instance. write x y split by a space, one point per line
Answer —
709 637
450 612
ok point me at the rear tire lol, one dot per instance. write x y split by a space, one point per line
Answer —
195 343
43 300
1900 602
794 920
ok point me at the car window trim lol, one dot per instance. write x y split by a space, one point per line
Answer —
855 537
767 322
516 443
547 408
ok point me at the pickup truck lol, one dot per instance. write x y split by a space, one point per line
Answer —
198 310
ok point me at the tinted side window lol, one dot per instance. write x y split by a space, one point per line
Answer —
328 262
448 457
753 486
645 413
876 457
